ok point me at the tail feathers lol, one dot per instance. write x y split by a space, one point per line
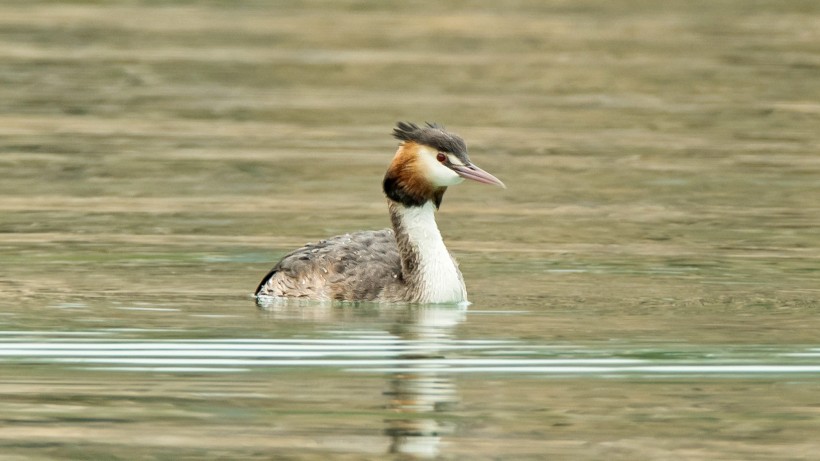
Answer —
264 282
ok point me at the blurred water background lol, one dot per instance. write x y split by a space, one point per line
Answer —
646 288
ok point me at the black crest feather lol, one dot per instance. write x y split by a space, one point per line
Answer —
433 135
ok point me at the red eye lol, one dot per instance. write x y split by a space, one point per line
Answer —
441 157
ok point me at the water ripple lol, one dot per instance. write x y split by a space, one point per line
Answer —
380 352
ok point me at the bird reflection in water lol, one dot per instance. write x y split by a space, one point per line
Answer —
418 393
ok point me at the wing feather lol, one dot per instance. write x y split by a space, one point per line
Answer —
356 266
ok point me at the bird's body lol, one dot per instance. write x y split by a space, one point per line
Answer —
367 266
408 263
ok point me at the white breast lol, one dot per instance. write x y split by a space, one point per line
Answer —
441 279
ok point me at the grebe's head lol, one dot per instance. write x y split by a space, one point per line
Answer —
428 160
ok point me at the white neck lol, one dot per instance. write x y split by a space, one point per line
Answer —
435 271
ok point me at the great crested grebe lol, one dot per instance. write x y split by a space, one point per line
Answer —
408 263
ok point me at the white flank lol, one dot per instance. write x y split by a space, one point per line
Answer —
441 279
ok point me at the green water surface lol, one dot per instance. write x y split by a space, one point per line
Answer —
648 286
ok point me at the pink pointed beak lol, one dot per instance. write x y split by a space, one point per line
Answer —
476 174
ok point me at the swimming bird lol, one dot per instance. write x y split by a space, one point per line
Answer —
407 263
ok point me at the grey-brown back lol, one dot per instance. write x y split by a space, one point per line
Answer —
358 266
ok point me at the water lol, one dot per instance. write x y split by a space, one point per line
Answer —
647 287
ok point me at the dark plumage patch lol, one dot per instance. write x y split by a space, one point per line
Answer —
438 196
395 191
432 135
398 192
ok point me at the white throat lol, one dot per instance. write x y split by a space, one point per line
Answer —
441 281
